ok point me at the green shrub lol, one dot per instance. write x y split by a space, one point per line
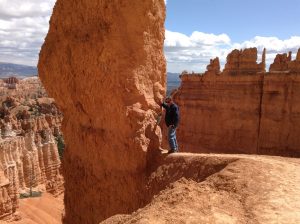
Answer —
60 145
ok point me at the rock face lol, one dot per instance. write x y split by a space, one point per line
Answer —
243 109
284 63
244 61
214 66
281 62
28 150
8 207
105 67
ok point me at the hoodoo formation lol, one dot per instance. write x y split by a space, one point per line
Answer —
29 158
105 67
242 109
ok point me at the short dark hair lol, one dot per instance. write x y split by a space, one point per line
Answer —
168 99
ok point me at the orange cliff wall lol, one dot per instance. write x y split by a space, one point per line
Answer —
242 109
280 120
105 67
219 115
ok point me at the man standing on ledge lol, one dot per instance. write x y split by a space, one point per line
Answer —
172 120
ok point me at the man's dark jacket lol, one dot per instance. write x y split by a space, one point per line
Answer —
172 114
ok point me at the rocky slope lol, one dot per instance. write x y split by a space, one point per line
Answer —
105 67
211 188
243 109
29 157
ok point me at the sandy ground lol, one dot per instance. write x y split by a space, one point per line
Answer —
42 210
199 188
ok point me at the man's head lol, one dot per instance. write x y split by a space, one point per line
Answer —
169 100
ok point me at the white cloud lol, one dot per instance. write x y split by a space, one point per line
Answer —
175 39
209 39
23 26
25 8
193 52
273 44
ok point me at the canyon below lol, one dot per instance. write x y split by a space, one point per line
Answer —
83 142
30 131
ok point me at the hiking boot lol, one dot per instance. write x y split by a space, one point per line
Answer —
172 151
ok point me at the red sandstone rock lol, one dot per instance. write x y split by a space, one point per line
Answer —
214 66
281 62
253 113
263 60
28 151
8 199
280 123
26 165
294 66
244 62
105 67
28 88
219 113
11 82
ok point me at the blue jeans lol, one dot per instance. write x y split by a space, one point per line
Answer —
172 138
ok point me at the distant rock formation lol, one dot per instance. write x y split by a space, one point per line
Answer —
242 109
283 62
11 82
25 165
244 61
105 67
214 66
28 88
28 151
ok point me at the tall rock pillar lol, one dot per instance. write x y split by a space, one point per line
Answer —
103 62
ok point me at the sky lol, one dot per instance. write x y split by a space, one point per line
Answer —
196 30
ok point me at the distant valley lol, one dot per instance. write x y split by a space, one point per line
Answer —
173 81
19 71
23 71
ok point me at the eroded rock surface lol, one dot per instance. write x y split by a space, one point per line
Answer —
214 66
284 63
29 158
105 67
242 109
244 61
